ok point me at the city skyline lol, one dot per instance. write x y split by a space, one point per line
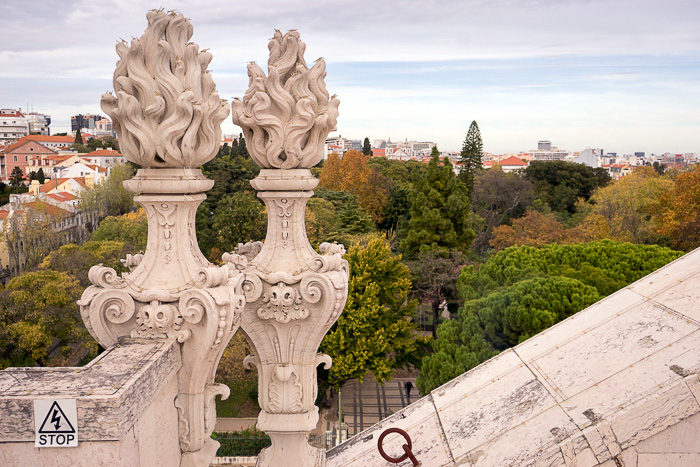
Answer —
623 76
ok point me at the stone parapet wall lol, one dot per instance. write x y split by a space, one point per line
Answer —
615 385
125 403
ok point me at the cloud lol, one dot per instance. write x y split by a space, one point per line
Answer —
410 68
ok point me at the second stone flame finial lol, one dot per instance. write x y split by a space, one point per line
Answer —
286 116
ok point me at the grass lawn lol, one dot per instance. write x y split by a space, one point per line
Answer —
239 403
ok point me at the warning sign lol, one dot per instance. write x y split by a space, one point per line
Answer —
56 423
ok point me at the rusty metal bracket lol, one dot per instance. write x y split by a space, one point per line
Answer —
406 447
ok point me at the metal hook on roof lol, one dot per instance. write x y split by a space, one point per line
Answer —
406 448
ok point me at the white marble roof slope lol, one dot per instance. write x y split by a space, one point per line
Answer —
577 394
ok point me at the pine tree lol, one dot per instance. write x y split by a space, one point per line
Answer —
40 176
367 148
470 159
439 211
78 137
242 149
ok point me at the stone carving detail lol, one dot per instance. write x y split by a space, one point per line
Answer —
286 116
158 320
284 214
285 390
282 303
166 111
167 115
293 294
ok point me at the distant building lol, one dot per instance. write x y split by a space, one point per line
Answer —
87 121
13 126
106 158
53 142
24 211
512 164
589 157
546 152
30 153
340 146
38 123
617 171
673 161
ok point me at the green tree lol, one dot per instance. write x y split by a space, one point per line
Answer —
521 291
367 148
109 198
16 177
76 260
130 229
78 137
398 207
81 148
470 157
353 222
374 332
95 144
239 218
659 168
605 265
434 274
560 184
439 211
242 148
497 198
322 224
37 309
231 174
501 320
40 176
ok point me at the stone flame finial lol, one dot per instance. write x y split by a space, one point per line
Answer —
287 115
166 112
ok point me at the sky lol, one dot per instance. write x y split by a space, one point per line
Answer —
622 75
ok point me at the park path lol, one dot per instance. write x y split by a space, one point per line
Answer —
366 403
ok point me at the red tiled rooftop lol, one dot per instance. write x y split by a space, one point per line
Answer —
50 209
512 160
62 196
103 153
16 113
50 139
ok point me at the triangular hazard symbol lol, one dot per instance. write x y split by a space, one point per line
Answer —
56 421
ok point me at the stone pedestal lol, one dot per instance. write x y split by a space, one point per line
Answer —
172 292
293 294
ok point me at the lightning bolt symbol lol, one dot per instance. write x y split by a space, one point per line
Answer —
56 419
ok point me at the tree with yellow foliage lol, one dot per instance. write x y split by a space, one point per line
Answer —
352 173
677 212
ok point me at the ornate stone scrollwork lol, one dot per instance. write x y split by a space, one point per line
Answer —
167 114
293 294
282 303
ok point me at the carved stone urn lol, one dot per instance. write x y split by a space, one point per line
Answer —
168 115
293 294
